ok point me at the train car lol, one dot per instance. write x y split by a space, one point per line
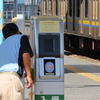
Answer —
81 21
83 25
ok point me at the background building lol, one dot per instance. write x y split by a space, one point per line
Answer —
22 6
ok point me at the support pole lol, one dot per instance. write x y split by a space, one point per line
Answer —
15 8
32 8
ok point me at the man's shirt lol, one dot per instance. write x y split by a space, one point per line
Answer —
11 51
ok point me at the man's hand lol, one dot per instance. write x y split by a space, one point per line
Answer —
29 82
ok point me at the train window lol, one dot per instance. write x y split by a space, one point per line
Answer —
86 8
77 8
70 7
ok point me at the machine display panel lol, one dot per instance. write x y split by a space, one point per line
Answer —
49 45
49 26
49 67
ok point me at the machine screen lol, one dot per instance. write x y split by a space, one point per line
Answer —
49 45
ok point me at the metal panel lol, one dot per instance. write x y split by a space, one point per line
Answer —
57 87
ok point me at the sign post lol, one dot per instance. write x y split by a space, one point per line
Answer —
21 22
1 21
46 39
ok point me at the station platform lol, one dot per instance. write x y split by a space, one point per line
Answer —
81 65
81 80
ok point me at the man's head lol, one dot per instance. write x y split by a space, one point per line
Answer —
10 29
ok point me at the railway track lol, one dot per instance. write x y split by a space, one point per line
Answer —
90 57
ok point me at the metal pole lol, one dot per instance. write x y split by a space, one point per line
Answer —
32 8
15 8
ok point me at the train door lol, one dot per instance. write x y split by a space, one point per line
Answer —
94 19
94 31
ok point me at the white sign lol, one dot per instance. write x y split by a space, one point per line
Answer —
55 98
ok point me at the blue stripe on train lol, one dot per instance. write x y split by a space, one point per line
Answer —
84 24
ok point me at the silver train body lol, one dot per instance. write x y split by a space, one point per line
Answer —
81 21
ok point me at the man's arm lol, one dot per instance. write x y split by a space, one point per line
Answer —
27 64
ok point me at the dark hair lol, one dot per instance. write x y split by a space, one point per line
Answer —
9 29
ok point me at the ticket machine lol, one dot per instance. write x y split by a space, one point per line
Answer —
46 39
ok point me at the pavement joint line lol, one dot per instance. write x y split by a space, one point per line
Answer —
83 73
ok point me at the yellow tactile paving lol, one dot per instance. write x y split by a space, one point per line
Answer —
83 73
